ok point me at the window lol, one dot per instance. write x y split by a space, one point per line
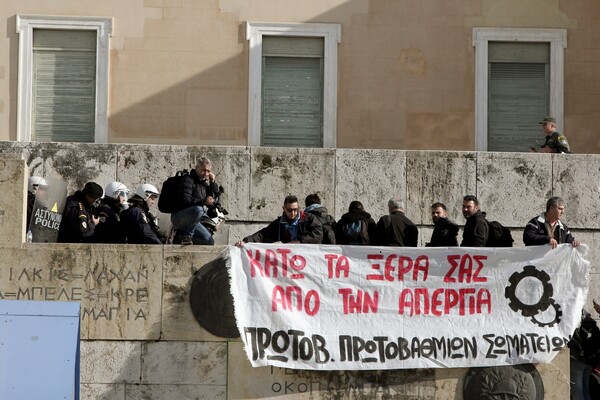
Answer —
63 78
519 75
292 96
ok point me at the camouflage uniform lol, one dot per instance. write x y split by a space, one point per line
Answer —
557 143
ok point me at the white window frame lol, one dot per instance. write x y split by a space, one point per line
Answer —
331 36
481 36
25 26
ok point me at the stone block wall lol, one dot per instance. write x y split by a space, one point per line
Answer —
139 337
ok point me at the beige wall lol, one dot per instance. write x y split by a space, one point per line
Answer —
179 68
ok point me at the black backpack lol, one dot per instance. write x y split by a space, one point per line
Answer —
499 235
328 224
169 194
355 232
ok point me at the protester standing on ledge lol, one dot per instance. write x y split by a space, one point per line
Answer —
547 228
396 229
476 230
78 222
555 142
313 206
444 231
293 226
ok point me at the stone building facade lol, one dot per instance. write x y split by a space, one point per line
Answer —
139 336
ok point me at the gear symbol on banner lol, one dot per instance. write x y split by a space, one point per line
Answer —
557 316
529 310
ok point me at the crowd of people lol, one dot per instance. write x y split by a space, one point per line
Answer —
357 227
111 215
114 215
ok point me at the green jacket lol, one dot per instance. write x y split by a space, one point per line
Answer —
557 142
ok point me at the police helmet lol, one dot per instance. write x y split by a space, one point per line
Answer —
35 182
146 190
116 189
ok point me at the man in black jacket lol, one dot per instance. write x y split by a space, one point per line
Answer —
547 228
396 229
293 226
444 231
139 225
476 230
356 227
78 222
314 207
195 191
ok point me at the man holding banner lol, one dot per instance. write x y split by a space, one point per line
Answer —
547 228
293 226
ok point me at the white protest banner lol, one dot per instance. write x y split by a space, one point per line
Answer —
328 307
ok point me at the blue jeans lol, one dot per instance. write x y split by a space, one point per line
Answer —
580 380
187 223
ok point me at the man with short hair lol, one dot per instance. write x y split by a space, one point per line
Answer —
547 228
196 190
555 142
396 229
445 232
313 206
476 230
356 227
293 226
78 221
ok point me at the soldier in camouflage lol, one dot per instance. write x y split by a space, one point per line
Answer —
555 142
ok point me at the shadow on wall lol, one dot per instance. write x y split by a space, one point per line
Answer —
211 106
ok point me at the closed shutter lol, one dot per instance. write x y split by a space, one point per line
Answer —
292 92
64 85
518 95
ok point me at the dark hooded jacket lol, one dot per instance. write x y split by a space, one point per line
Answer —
326 220
476 231
193 191
444 234
367 233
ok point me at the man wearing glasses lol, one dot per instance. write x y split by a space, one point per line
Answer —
293 226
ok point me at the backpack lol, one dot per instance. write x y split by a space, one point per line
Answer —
499 235
328 224
169 194
355 232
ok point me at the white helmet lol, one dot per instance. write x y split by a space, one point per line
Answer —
146 190
116 189
34 182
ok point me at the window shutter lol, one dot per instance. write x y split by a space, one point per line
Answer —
64 85
292 91
518 95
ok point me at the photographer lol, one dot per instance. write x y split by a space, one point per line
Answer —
195 191
78 218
